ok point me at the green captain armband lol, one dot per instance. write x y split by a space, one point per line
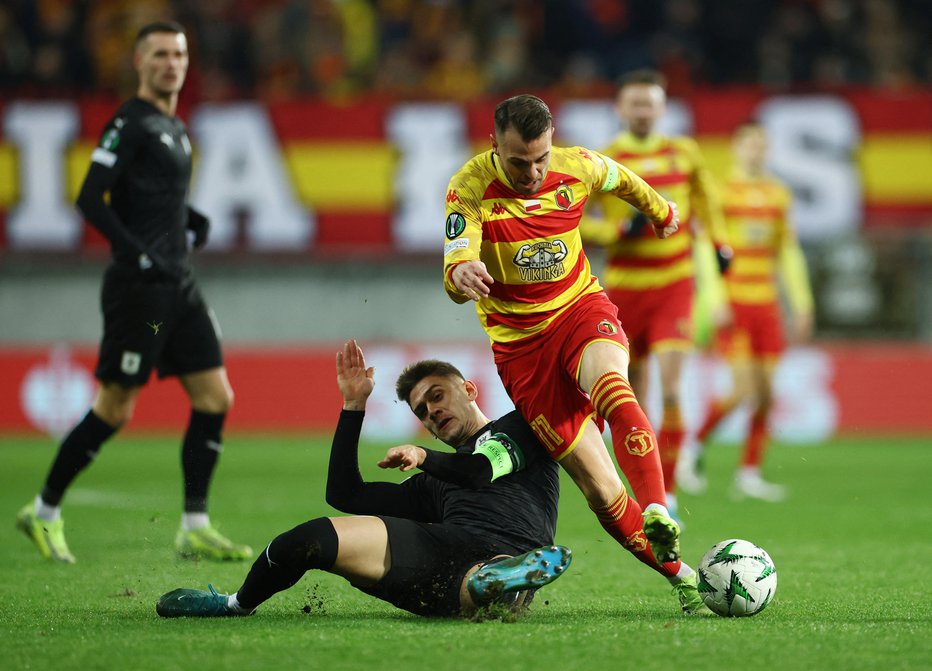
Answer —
504 455
613 177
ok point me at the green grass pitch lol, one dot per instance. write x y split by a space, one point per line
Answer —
852 548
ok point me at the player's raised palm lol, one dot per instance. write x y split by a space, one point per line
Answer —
355 381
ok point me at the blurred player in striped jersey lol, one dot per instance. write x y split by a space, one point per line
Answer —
513 246
650 280
756 207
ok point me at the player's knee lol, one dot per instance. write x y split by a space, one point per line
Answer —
217 402
764 403
115 410
224 400
114 416
671 400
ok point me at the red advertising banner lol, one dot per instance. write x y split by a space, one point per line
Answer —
835 389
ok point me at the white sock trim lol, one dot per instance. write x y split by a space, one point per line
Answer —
749 473
233 605
659 508
194 521
46 512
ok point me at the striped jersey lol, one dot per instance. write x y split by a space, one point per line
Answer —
756 214
531 245
635 258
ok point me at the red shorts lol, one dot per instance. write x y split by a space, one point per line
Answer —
539 373
657 318
757 332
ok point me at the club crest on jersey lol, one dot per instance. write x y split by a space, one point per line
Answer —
541 261
639 443
564 197
456 224
605 327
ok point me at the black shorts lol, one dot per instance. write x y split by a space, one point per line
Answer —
154 324
429 562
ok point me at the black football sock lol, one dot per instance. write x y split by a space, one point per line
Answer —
199 453
76 451
312 545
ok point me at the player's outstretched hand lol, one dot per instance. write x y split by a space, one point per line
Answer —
666 228
403 457
355 381
473 279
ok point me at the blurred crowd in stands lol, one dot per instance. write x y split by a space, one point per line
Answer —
457 49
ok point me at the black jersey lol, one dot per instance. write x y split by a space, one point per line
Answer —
518 510
143 160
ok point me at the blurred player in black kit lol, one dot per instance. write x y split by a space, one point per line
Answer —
423 545
154 315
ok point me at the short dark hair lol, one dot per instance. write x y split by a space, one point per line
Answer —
416 372
527 114
159 27
643 76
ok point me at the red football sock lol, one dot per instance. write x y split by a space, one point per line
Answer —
633 438
717 413
756 442
670 440
623 520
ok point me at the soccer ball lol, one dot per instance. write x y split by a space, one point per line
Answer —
737 578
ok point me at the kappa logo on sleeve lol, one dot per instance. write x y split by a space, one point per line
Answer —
456 224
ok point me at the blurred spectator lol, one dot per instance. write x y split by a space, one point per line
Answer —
270 49
15 52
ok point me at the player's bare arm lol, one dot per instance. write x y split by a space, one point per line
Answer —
355 381
403 457
473 279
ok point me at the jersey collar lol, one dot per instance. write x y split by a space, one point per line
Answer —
650 143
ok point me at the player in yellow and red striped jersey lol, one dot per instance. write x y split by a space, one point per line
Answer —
756 207
513 246
652 281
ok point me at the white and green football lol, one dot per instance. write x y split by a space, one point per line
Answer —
737 578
